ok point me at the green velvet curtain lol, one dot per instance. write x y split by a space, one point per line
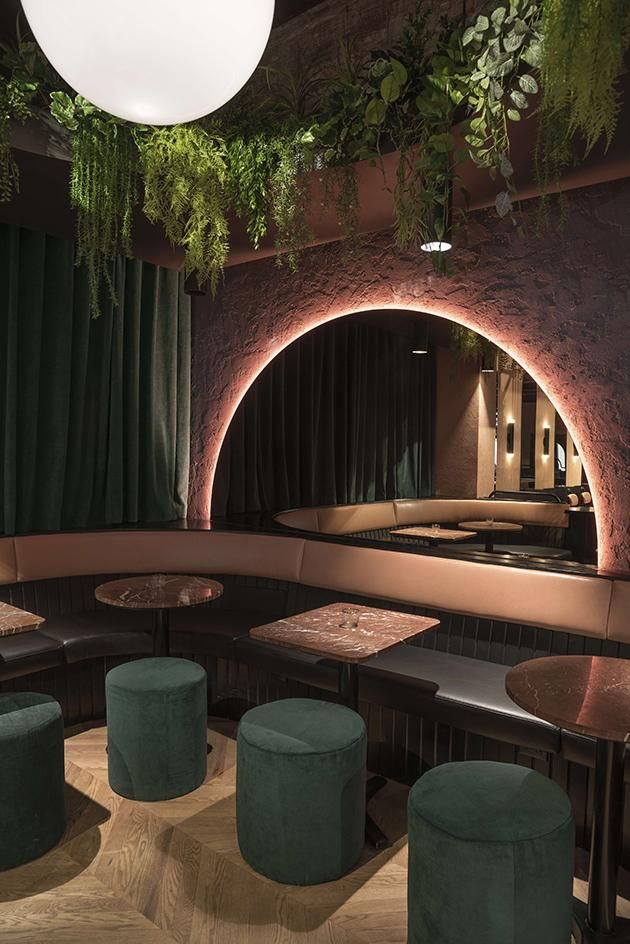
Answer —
343 415
94 414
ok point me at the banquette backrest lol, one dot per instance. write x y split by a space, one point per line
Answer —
591 606
370 516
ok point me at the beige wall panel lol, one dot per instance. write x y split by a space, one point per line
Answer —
509 408
574 465
456 426
487 433
545 418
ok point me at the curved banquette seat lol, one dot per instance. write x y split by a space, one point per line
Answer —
370 516
449 686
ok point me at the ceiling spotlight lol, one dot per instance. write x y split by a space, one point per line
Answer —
132 59
437 245
419 352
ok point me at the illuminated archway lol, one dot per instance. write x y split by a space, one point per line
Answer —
290 338
558 306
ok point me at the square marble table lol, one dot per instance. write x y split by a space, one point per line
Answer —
348 633
431 535
14 620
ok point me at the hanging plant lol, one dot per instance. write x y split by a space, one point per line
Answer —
184 173
438 101
250 163
23 70
585 44
103 187
290 193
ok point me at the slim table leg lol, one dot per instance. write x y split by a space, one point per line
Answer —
160 633
349 684
489 542
349 691
600 924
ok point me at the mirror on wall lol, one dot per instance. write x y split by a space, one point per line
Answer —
401 406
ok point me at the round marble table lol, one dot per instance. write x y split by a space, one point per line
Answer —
160 593
589 695
490 528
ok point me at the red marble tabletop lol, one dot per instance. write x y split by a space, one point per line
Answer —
491 525
13 620
433 534
346 632
586 694
158 591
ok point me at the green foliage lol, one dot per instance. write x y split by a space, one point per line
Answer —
468 345
22 71
290 193
184 171
103 186
585 43
250 163
439 101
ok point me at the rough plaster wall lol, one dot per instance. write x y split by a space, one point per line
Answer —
558 303
313 38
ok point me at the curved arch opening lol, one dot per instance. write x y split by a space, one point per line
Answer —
562 439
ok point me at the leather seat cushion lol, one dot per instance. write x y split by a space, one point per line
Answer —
288 663
107 632
212 629
470 694
23 653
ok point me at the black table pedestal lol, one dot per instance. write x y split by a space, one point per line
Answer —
160 633
599 925
349 691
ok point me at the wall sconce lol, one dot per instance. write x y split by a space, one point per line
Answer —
439 229
576 454
510 439
546 437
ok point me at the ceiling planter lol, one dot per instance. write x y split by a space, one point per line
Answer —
153 61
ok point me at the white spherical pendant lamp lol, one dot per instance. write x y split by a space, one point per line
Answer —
158 62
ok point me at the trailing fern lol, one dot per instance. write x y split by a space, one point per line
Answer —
438 100
184 173
103 187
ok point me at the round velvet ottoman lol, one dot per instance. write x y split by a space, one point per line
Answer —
157 728
490 856
32 812
300 790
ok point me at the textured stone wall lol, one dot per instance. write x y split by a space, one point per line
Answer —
313 38
557 301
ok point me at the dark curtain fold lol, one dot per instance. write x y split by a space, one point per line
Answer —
94 414
343 415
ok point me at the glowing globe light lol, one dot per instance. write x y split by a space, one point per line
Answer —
158 62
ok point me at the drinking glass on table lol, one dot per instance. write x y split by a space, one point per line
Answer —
350 618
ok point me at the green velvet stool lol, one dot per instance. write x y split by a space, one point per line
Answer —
300 790
157 728
490 856
32 810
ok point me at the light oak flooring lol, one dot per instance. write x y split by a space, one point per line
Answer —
171 873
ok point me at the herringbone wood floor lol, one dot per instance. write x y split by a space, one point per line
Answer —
171 873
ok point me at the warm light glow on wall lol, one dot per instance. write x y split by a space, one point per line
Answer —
458 316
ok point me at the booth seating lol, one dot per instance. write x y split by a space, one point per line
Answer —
490 856
491 617
371 516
